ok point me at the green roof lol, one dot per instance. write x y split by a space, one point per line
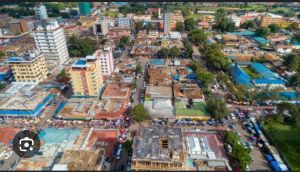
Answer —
197 109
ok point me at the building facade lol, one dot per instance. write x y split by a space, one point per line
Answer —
123 22
30 67
105 57
101 27
84 8
86 77
167 22
50 39
40 12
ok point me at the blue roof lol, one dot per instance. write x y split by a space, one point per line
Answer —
243 33
269 157
289 95
275 166
260 39
296 43
269 81
157 61
80 62
240 75
264 71
191 76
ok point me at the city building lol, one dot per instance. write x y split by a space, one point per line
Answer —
50 39
175 17
159 75
84 8
86 77
236 20
18 26
106 59
23 99
40 12
29 67
123 22
167 22
144 18
158 148
72 30
116 91
187 93
101 27
266 20
5 72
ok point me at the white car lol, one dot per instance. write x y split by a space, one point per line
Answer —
8 154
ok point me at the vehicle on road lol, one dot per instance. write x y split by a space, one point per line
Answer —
8 154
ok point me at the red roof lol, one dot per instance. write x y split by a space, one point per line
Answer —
7 134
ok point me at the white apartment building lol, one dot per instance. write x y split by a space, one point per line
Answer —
236 20
50 39
105 57
123 22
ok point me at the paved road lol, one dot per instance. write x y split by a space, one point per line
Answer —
10 162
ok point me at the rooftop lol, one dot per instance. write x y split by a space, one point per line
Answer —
158 144
160 75
158 92
7 134
116 91
189 91
29 56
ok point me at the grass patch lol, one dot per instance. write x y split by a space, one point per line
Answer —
196 109
111 13
287 139
251 73
196 16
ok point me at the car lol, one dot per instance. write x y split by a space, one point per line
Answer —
8 154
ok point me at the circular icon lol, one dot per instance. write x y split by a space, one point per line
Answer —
26 144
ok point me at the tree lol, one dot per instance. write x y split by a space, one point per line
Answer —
163 53
138 113
179 26
205 77
2 55
262 31
215 57
128 147
248 24
188 50
274 28
225 25
189 24
138 68
174 52
124 40
186 12
292 61
197 37
81 47
295 80
63 77
217 107
220 14
195 65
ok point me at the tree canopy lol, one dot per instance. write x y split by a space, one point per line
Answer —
215 57
274 27
293 61
248 24
166 53
224 25
138 113
205 76
179 26
81 47
138 68
262 31
217 107
189 24
197 37
2 55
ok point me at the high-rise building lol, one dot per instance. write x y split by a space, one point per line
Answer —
105 57
167 22
40 12
50 39
84 8
123 22
29 67
86 77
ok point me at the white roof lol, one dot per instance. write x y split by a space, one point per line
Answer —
162 104
60 167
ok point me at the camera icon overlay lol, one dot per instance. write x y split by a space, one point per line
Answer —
26 144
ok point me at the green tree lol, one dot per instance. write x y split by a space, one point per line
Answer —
81 47
128 147
215 57
225 25
138 68
197 37
174 52
195 65
295 80
63 77
188 50
205 77
2 55
179 26
217 107
220 14
292 61
138 113
186 12
274 28
248 24
262 31
189 24
163 53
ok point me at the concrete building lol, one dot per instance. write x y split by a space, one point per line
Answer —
50 39
167 22
266 20
18 26
235 19
86 77
29 67
158 148
84 8
101 27
72 30
105 57
123 22
40 12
